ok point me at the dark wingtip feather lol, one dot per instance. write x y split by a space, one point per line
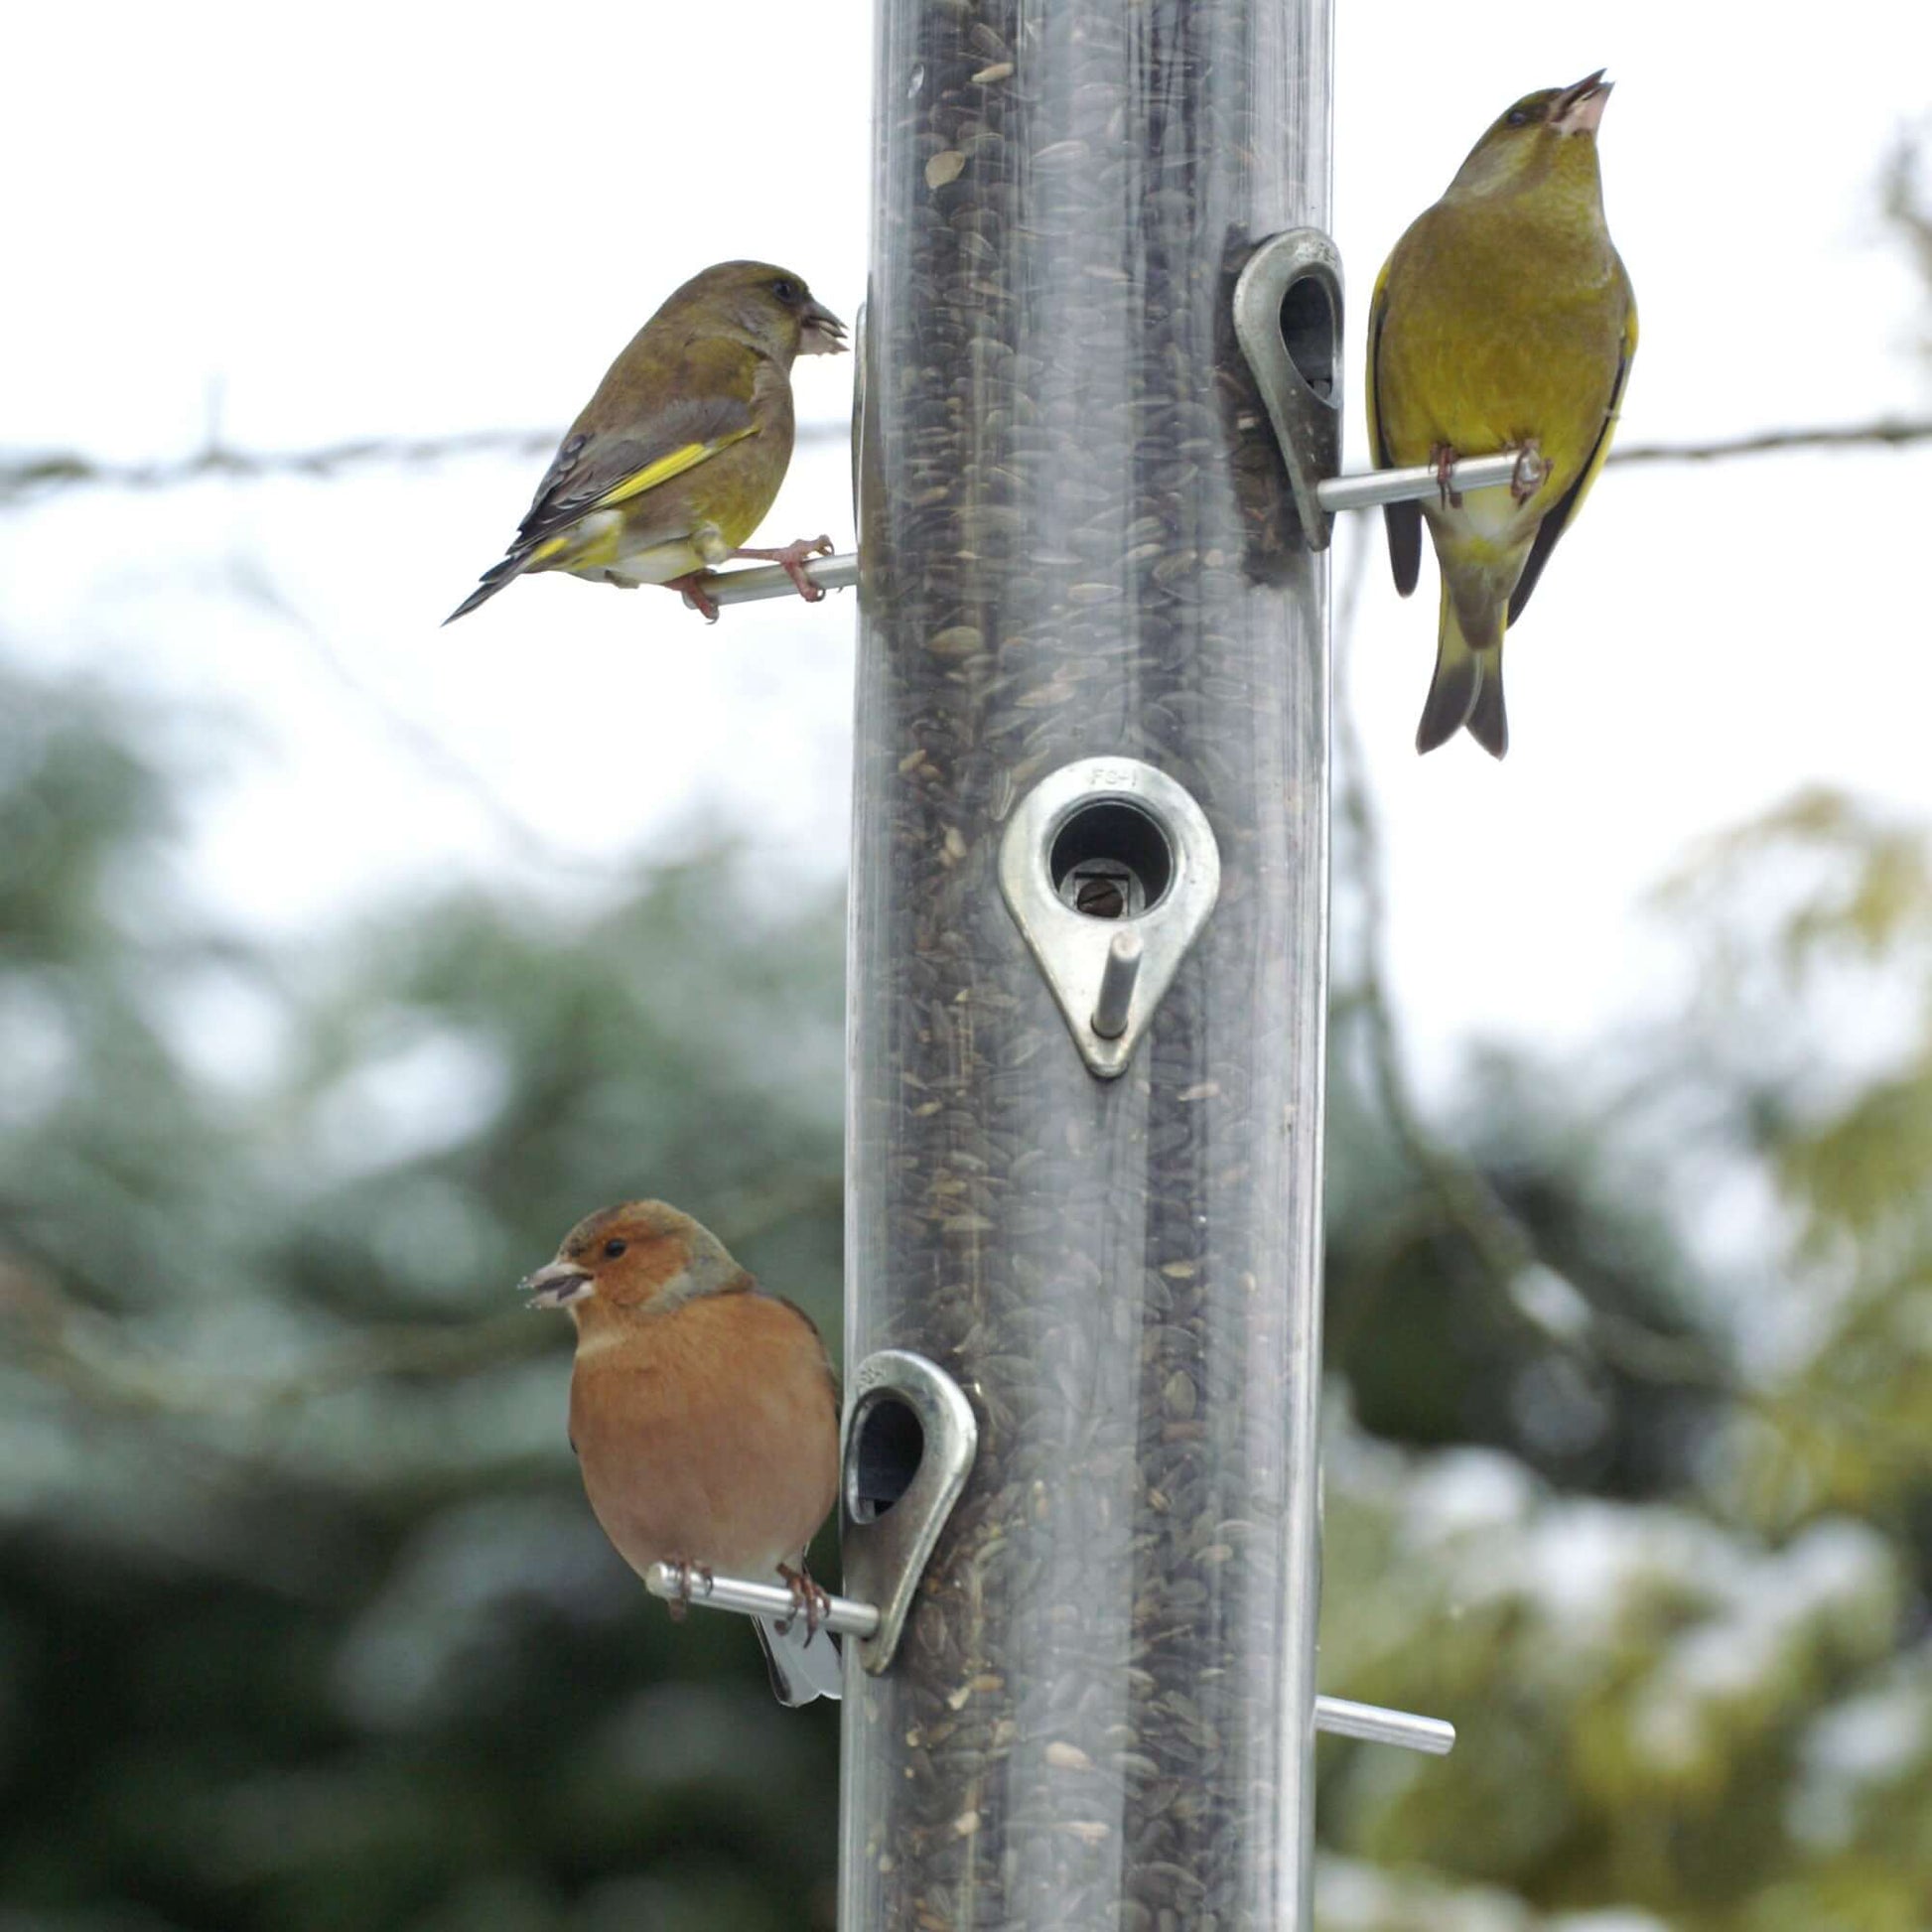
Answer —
1404 522
493 580
480 595
1452 697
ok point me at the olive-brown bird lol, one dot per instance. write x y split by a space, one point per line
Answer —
676 459
705 1416
1503 321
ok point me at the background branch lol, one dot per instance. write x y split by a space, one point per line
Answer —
87 1353
1505 1247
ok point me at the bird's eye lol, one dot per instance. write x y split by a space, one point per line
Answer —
1519 117
613 1247
786 290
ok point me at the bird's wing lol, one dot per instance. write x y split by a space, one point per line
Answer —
831 1373
1553 524
1404 520
596 470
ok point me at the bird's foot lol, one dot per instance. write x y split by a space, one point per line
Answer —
1531 469
1444 461
792 558
689 1576
808 1596
692 583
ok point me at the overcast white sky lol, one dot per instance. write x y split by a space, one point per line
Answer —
411 220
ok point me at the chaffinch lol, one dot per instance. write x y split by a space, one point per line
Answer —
705 1416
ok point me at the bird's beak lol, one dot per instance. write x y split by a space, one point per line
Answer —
557 1285
821 332
1577 110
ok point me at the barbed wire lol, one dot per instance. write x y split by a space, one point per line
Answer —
1505 1247
1892 431
30 478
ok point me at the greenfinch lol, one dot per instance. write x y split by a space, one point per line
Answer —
678 456
1503 320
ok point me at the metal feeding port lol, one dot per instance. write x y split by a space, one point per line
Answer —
908 1447
1110 869
1287 321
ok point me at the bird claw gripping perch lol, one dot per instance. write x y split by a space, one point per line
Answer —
690 1576
699 586
810 1597
1532 466
695 596
792 559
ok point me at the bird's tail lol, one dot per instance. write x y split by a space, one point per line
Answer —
802 1666
493 580
1467 689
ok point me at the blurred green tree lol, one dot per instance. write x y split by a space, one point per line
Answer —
304 1622
1651 1366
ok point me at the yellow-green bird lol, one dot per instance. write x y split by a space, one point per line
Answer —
1503 321
676 459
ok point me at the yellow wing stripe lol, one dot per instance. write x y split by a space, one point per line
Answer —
686 456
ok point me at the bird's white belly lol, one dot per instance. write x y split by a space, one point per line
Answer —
1492 513
655 563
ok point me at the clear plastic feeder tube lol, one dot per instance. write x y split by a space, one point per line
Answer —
1076 543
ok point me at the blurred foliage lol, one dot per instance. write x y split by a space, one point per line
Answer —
1651 1516
1907 198
303 1620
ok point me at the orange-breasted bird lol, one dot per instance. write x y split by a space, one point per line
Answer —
705 1416
676 459
1503 321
